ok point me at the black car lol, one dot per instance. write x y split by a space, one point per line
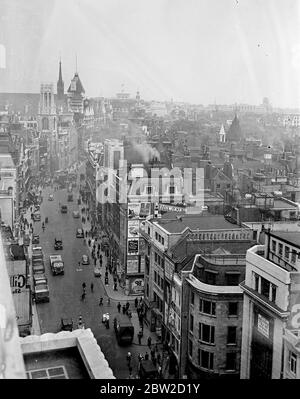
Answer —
66 325
58 244
35 239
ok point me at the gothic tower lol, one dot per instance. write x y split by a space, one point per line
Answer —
47 110
60 85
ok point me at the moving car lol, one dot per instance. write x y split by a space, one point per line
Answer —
57 264
124 329
85 260
79 233
58 244
64 209
35 239
70 197
148 370
51 197
66 325
97 271
76 214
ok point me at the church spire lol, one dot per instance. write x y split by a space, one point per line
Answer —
60 84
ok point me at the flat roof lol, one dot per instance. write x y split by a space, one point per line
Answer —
289 237
55 364
177 224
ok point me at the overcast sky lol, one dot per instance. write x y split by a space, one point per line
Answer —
198 51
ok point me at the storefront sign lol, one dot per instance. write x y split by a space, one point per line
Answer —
170 208
263 325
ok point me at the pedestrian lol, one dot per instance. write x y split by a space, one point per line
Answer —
130 373
127 305
146 356
159 371
108 301
119 307
92 286
152 353
101 301
140 335
136 302
83 296
149 342
83 285
158 357
124 309
128 358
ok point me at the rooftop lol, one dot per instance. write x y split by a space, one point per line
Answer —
290 237
57 364
177 224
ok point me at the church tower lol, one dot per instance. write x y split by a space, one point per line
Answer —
47 110
60 85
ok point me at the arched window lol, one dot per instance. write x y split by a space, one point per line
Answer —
45 124
10 190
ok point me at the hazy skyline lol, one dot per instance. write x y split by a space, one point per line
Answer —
197 51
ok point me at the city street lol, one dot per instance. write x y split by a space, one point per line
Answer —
66 290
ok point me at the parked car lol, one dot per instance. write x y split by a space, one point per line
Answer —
64 209
85 260
76 215
97 271
79 233
51 197
35 239
36 217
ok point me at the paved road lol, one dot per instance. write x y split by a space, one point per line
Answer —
65 290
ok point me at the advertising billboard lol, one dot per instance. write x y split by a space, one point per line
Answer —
137 286
133 265
133 228
133 247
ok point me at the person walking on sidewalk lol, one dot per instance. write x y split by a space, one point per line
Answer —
124 309
92 287
140 335
83 285
119 307
128 358
101 301
149 342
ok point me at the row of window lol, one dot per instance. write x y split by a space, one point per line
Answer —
159 238
206 359
287 251
219 236
207 332
159 260
231 278
158 280
265 287
209 307
159 302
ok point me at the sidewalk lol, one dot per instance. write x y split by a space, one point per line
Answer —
109 289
